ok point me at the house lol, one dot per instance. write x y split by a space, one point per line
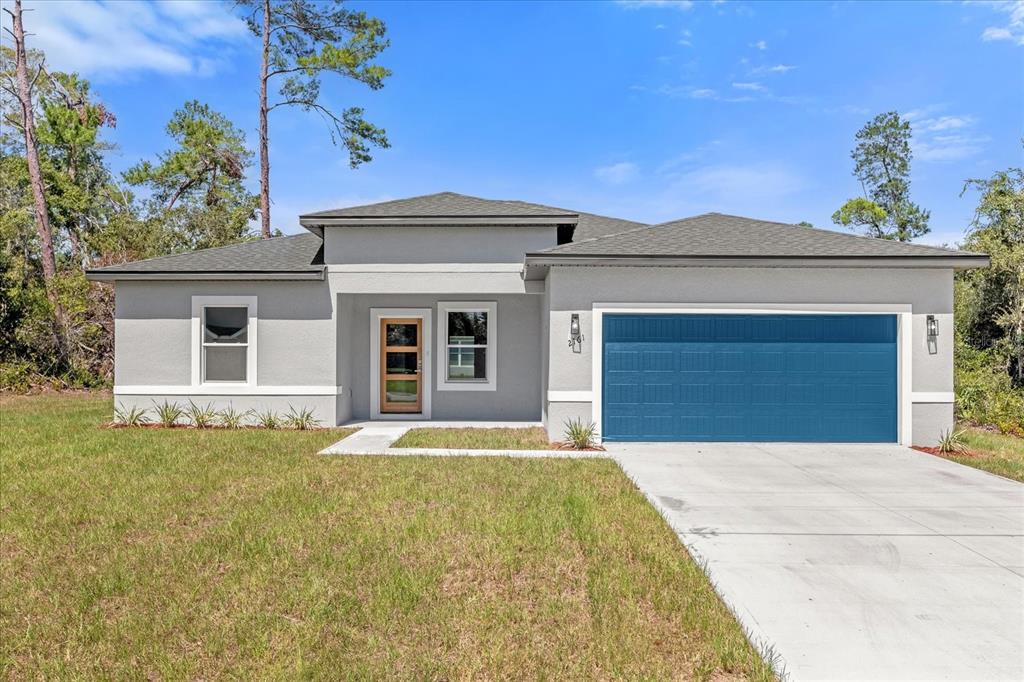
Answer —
451 307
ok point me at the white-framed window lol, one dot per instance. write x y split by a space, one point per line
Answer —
224 340
467 345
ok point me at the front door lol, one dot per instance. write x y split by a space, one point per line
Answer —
401 365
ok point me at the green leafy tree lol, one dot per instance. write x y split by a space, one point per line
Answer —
78 180
197 189
990 301
301 41
882 165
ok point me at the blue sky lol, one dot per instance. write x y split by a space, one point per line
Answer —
643 110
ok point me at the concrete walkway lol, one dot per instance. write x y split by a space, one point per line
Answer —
376 437
852 561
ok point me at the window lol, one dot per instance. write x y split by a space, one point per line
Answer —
224 331
225 343
467 346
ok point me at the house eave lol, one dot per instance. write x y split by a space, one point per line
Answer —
537 264
316 224
115 275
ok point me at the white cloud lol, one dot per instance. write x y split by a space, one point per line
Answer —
685 39
645 4
943 138
754 87
703 93
756 181
106 40
1014 28
617 173
777 68
940 148
760 45
948 123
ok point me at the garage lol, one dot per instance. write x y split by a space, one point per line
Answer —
749 377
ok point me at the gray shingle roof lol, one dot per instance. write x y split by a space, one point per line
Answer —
294 253
591 226
717 234
444 205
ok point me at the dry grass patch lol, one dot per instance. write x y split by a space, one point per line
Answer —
195 554
534 438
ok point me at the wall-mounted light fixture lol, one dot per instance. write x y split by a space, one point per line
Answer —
931 326
575 334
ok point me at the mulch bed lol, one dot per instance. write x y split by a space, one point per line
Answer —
562 445
938 453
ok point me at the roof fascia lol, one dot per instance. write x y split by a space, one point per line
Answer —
118 275
959 262
451 221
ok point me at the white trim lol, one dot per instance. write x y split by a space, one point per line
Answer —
904 369
227 389
903 339
425 384
198 303
932 397
757 308
297 275
570 396
447 221
425 267
491 308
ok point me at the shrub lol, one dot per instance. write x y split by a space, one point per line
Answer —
231 418
17 376
130 416
168 414
201 417
984 392
302 420
268 419
952 443
580 435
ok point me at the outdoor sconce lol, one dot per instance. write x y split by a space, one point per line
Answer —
575 335
932 332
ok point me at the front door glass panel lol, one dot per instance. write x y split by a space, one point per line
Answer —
401 358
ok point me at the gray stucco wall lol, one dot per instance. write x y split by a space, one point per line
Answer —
518 395
430 244
576 289
295 342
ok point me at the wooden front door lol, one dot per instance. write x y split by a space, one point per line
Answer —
401 364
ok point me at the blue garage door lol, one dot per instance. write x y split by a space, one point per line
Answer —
818 378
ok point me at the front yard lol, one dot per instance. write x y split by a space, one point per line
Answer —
998 453
200 554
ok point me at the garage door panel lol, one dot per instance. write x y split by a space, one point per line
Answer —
695 361
750 377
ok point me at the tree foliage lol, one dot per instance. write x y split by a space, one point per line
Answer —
302 40
882 165
990 313
197 192
97 220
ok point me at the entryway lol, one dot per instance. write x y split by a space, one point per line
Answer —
401 365
400 359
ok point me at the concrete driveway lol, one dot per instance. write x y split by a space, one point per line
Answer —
852 561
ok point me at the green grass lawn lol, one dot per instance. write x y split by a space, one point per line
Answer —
147 553
534 438
999 453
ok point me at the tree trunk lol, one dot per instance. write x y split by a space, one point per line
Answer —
264 136
35 173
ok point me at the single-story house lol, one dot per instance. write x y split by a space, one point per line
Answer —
451 307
